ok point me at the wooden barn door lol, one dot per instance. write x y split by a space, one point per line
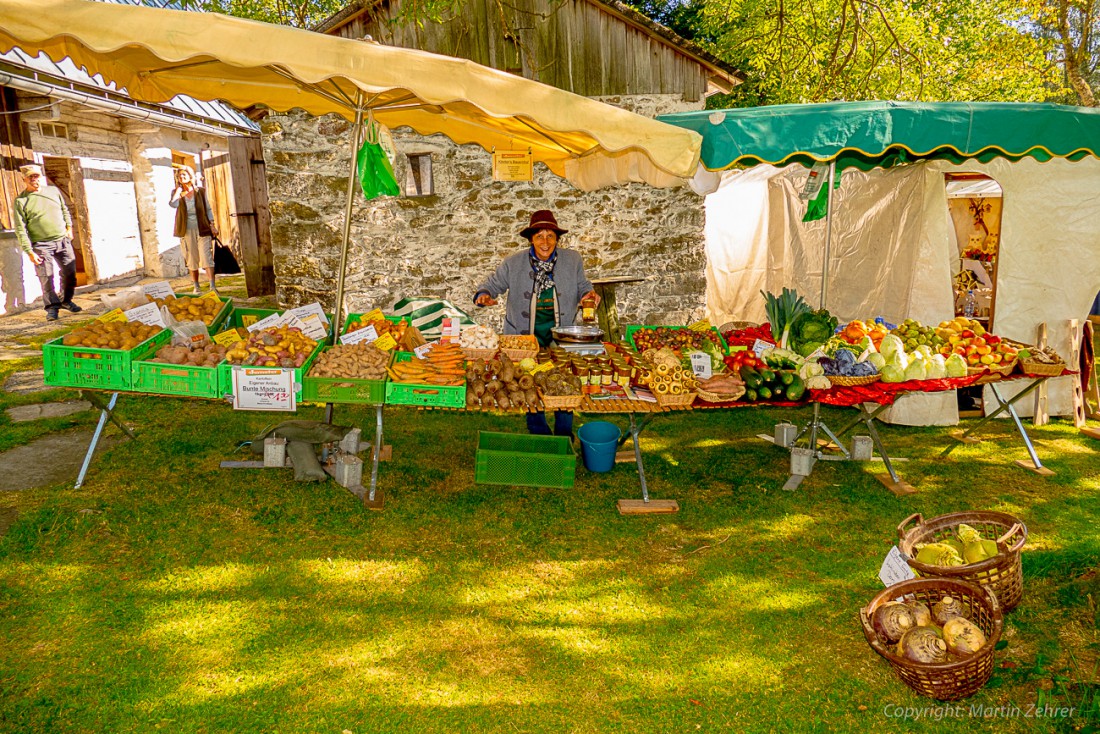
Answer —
219 192
249 184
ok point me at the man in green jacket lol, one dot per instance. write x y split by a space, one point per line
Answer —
45 232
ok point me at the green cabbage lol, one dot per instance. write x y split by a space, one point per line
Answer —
810 330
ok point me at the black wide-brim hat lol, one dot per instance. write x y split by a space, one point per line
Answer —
542 219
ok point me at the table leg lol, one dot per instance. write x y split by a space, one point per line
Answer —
868 419
97 401
376 453
634 431
1036 465
1003 406
103 416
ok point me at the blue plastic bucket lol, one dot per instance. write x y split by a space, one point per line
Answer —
599 440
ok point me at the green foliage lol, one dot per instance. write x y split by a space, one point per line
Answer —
300 14
796 51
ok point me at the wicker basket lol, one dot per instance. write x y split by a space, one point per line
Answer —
944 681
842 381
682 400
1002 574
521 352
561 402
1042 369
472 354
1003 370
713 397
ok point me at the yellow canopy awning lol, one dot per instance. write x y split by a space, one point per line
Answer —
156 54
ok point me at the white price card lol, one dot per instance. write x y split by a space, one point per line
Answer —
256 388
291 321
424 349
310 308
148 313
160 289
314 327
366 334
894 569
760 346
267 321
700 365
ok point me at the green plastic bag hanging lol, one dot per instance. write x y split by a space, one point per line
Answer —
375 172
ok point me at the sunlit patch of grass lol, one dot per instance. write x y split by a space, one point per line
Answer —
789 527
761 594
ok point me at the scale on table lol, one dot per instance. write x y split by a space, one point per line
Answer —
584 340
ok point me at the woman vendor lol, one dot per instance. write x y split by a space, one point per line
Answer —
545 285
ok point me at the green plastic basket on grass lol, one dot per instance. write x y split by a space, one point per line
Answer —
520 459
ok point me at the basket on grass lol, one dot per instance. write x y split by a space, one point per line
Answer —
1002 574
683 400
1042 369
952 680
519 346
561 402
845 381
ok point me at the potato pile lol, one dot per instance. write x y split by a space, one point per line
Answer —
110 335
353 361
208 355
282 346
499 384
191 309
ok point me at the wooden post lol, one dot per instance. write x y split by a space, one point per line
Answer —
1092 392
1074 362
1041 418
246 162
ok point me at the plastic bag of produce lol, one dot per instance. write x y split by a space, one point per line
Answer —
375 172
125 299
190 334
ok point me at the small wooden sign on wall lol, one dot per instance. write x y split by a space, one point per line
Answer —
512 166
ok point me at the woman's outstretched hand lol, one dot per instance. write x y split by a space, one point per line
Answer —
485 300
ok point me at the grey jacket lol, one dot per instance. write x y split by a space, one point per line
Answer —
516 276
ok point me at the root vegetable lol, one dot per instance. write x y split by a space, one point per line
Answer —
962 636
922 645
947 609
893 620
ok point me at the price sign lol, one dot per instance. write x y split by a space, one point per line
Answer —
760 346
114 315
263 389
227 338
272 321
367 334
147 314
314 327
210 296
375 315
700 365
247 319
423 349
290 321
385 342
512 166
894 568
304 312
544 367
162 289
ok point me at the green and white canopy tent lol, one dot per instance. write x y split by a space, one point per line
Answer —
892 248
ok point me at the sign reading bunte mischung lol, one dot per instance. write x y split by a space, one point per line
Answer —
256 388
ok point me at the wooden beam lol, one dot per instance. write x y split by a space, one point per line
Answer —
1040 417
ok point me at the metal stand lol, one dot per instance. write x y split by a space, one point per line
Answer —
644 506
867 418
106 413
1007 405
375 498
802 460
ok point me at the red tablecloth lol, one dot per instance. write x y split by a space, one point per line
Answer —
885 393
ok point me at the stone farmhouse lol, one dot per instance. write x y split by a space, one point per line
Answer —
453 223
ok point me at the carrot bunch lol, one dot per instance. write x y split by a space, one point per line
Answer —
443 365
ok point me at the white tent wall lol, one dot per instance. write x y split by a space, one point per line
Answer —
894 254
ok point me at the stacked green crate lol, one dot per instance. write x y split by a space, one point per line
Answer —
87 367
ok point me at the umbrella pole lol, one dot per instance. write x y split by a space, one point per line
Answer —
356 134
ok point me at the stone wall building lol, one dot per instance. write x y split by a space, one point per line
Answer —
453 224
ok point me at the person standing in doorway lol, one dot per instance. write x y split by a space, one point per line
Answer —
44 229
194 226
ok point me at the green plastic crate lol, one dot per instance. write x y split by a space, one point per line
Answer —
225 374
434 396
525 460
104 369
176 379
343 389
634 328
353 316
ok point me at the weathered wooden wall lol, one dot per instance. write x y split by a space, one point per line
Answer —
573 45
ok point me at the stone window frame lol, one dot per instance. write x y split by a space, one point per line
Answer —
422 184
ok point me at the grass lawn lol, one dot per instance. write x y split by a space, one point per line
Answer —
170 595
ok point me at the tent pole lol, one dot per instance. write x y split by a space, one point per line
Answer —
356 134
828 233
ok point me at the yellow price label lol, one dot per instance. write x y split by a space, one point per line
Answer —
115 315
227 338
375 315
210 296
544 367
385 342
247 319
703 325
